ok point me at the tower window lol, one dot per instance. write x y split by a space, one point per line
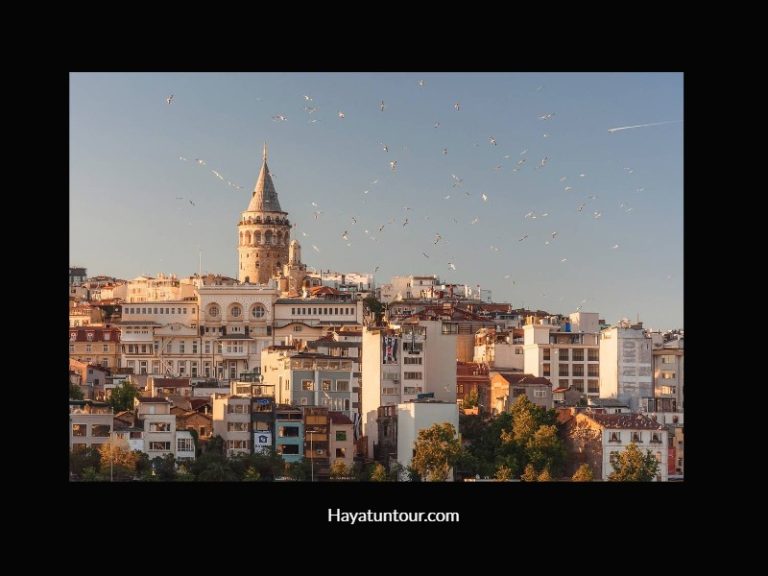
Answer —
258 311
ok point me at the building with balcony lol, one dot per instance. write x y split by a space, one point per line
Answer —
289 433
232 421
90 424
626 364
342 439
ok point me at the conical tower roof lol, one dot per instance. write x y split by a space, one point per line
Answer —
264 197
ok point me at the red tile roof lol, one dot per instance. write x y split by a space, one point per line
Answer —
626 421
339 418
80 334
171 383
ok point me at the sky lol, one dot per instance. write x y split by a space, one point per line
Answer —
531 195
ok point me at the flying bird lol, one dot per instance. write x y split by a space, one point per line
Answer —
315 248
457 106
421 83
451 265
182 158
200 162
445 151
437 124
341 114
484 197
425 255
492 140
279 118
169 99
546 116
344 236
191 202
381 106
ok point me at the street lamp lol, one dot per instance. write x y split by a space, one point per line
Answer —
312 453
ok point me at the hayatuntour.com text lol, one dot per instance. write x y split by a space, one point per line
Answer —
370 516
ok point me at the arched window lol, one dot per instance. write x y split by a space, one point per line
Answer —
241 238
235 311
248 238
279 238
268 237
213 310
268 220
258 311
256 238
258 219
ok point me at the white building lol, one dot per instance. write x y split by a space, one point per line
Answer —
567 353
621 430
401 362
154 289
626 364
419 415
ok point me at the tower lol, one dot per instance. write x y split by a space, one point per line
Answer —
264 232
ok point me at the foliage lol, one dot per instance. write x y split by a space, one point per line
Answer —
116 462
632 466
471 400
165 467
375 307
583 474
339 470
217 471
122 396
215 445
545 476
504 473
75 392
301 470
379 473
530 474
437 450
79 461
90 475
251 475
546 450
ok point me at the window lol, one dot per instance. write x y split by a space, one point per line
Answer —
71 348
546 370
578 369
235 311
564 354
667 359
213 310
578 385
547 353
593 369
614 457
341 453
105 348
539 393
389 391
326 386
237 426
668 375
88 348
307 385
78 429
297 328
194 347
412 375
655 438
412 360
636 438
185 445
342 385
593 386
181 347
615 437
258 311
563 369
160 427
159 446
288 449
578 355
341 436
593 355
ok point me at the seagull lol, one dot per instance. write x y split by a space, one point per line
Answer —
492 140
447 197
567 188
421 83
523 238
457 106
393 165
614 247
554 234
354 220
563 259
191 202
385 147
375 269
219 176
182 158
307 98
484 197
475 221
179 198
169 99
581 207
381 228
200 162
445 151
451 265
563 178
344 236
315 248
582 175
524 152
546 116
341 114
279 118
425 255
381 106
437 124
314 204
406 222
596 214
438 238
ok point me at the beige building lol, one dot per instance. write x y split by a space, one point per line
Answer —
162 288
159 426
668 376
500 349
342 441
567 352
95 346
90 424
264 232
232 421
626 364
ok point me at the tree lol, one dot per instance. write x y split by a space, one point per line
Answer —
88 458
122 396
116 462
437 450
379 473
545 449
339 470
545 476
217 471
471 400
165 467
301 470
583 474
251 475
215 445
503 473
632 466
75 392
530 474
374 307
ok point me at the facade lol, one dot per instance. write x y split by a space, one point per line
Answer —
342 443
401 362
420 415
159 426
668 375
232 421
596 439
90 424
537 389
289 433
264 232
500 349
317 428
162 288
626 364
77 275
566 352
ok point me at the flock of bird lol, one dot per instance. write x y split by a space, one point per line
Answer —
442 236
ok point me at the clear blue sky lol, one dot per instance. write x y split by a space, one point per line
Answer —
126 175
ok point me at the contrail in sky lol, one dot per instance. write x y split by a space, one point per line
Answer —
612 130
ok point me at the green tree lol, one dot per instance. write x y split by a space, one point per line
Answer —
632 466
437 450
545 449
530 474
252 475
90 475
471 399
339 470
116 462
75 392
301 470
504 473
379 473
122 397
217 471
583 474
374 307
88 458
215 445
165 467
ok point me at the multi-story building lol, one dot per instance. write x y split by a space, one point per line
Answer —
342 442
567 353
289 433
90 424
626 364
232 421
159 426
417 415
538 389
77 275
401 362
597 440
162 288
668 375
500 349
311 379
317 428
311 317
